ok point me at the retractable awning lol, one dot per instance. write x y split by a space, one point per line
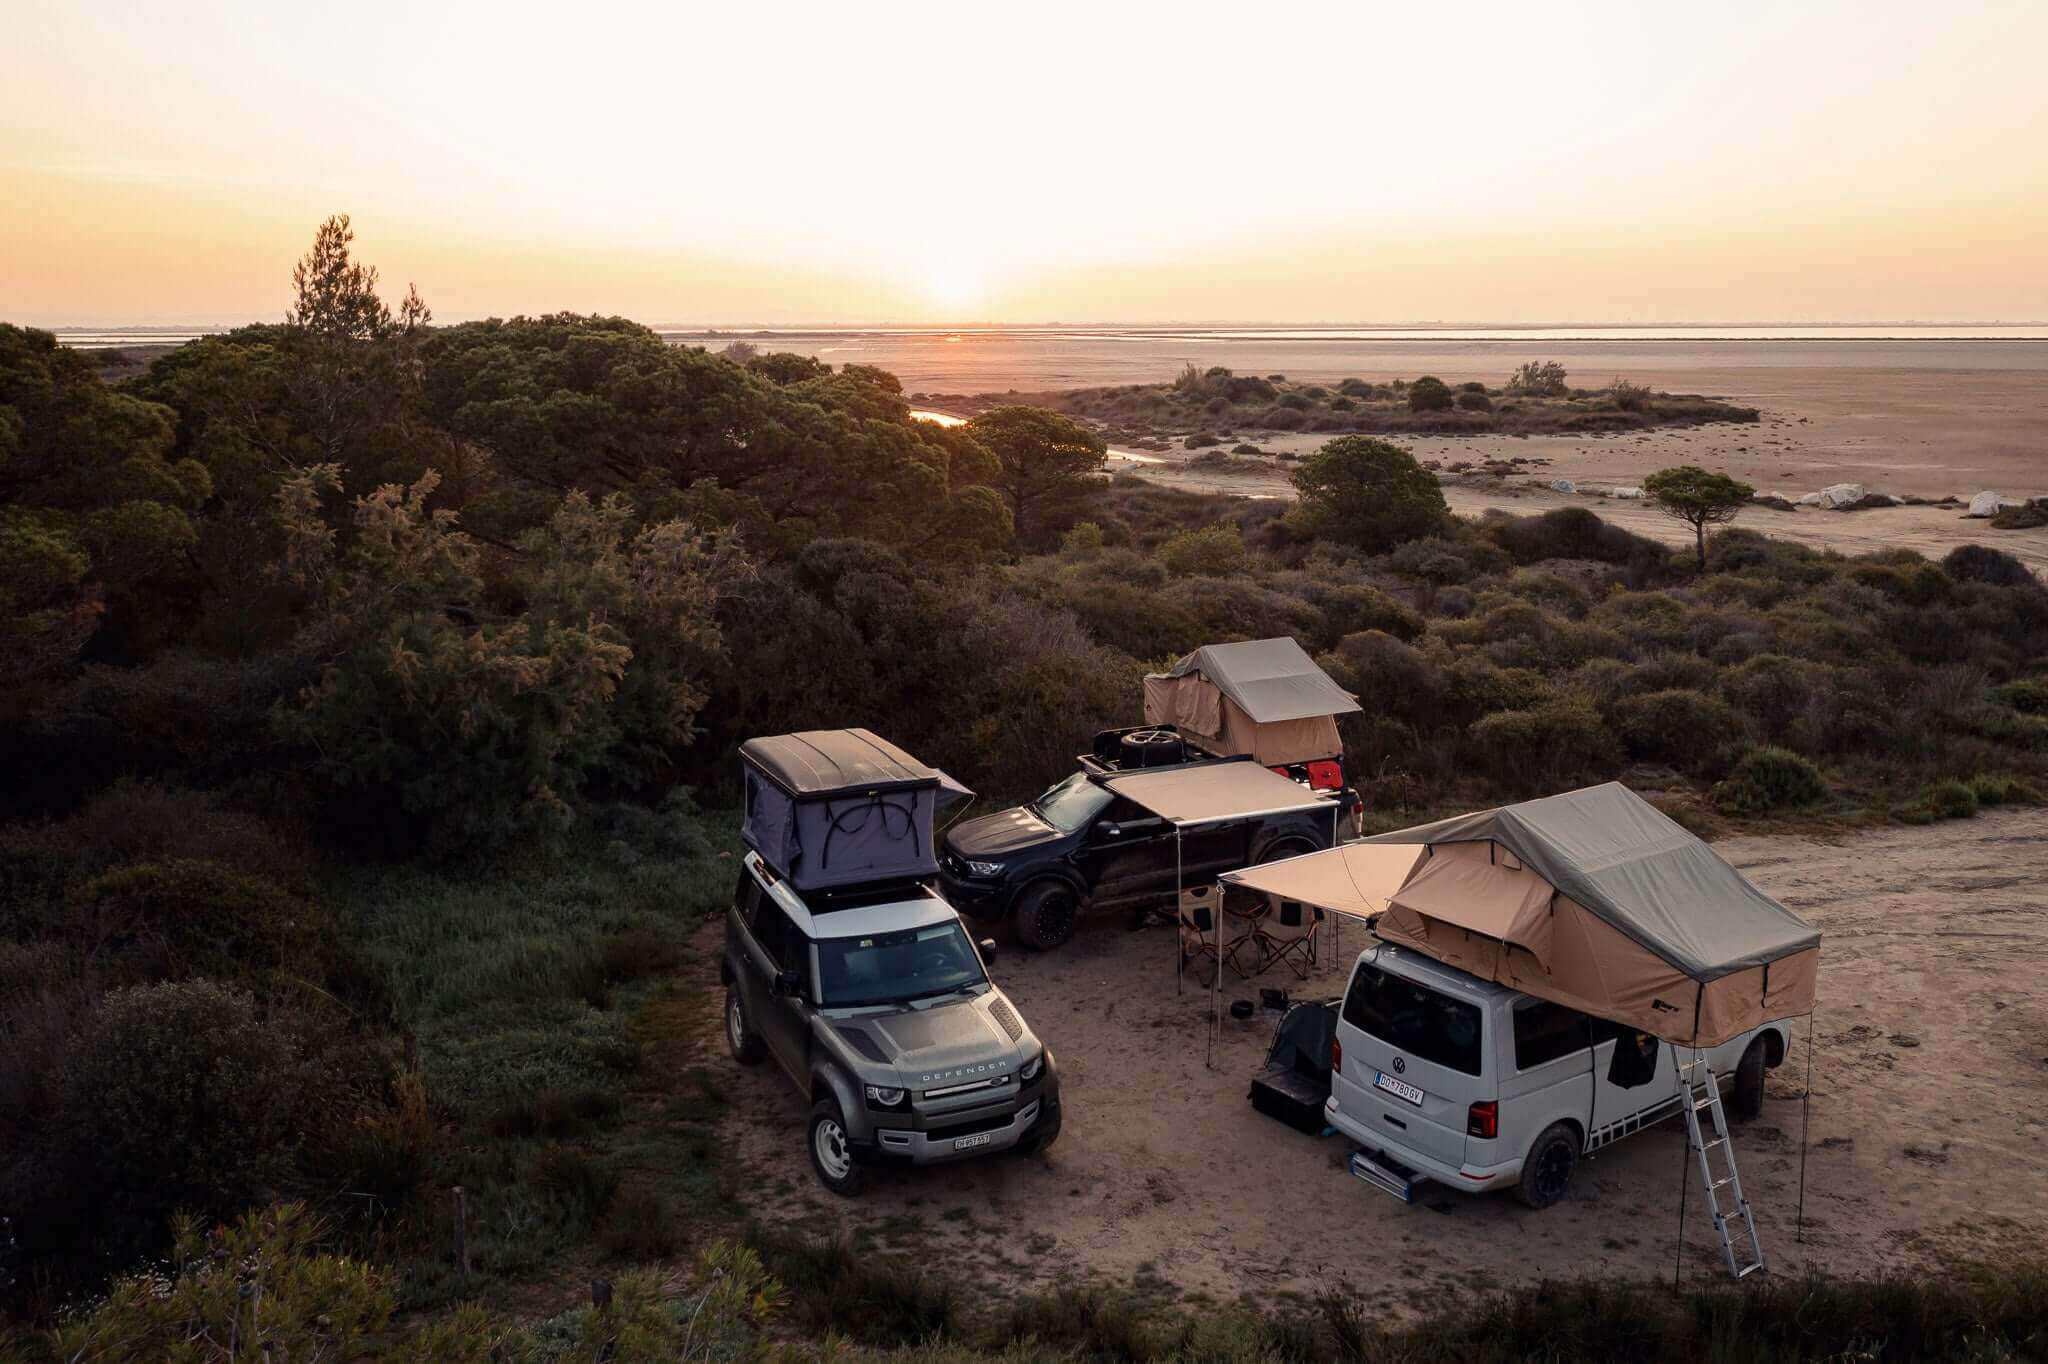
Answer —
1210 793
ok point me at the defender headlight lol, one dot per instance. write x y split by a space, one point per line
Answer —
1030 1069
885 1096
988 871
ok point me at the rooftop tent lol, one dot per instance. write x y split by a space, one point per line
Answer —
1263 697
835 807
1593 898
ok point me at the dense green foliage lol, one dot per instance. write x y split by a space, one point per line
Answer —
1365 492
1700 499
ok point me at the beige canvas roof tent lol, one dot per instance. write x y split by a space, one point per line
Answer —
1262 697
1594 899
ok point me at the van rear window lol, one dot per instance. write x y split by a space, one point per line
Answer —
1414 1019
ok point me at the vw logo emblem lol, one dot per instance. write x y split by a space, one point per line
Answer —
1400 1066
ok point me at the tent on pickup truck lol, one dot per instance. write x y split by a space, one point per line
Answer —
1263 697
830 808
1593 899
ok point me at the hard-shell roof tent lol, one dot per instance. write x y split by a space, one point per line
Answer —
831 808
1264 697
1594 899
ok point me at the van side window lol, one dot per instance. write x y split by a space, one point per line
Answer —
1546 1032
1414 1019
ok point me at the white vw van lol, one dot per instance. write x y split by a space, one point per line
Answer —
1439 1074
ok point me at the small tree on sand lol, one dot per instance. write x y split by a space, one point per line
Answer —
1371 493
1690 494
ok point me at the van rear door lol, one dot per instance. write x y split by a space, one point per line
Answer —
1400 1037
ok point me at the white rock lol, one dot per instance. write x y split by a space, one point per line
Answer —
1563 485
1841 494
1626 492
1809 500
1985 504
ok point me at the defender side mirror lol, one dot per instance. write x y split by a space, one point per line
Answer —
988 950
788 984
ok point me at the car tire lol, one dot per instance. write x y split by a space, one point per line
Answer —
1042 1136
1746 1099
740 1037
1045 915
1547 1169
1284 848
831 1148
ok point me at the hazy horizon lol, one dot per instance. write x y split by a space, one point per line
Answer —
929 166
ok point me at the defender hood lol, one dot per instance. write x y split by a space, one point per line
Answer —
945 1044
1002 832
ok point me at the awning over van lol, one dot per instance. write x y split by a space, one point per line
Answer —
1593 898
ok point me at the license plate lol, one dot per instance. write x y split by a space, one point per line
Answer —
969 1143
1400 1089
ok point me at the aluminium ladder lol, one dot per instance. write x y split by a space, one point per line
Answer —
1701 1091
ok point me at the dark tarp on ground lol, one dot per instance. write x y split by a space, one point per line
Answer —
835 807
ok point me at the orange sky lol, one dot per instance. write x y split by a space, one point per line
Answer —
951 163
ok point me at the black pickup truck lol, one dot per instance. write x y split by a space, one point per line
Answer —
1081 845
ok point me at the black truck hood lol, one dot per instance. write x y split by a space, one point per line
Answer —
1002 832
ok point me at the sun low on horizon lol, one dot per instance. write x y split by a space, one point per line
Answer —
927 164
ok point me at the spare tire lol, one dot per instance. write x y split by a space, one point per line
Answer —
1151 748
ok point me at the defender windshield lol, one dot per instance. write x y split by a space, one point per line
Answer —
894 968
1413 1018
1072 804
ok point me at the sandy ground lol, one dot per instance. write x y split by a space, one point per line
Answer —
1929 1113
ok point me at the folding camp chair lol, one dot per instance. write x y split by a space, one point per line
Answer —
1200 936
1289 934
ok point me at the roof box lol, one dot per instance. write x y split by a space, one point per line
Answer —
830 808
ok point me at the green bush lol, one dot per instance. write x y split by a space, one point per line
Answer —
1951 799
1768 779
1982 564
1366 492
1353 607
2029 695
1998 788
1082 539
1475 402
1687 729
1429 394
1213 551
1202 440
185 1095
1772 690
189 918
1558 744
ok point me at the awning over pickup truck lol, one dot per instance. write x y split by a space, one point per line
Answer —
1211 792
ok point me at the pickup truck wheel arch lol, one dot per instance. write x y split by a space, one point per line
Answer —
1045 913
1287 845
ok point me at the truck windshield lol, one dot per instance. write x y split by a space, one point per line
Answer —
892 968
1072 804
1413 1018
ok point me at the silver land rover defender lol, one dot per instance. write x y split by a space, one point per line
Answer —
843 964
879 1007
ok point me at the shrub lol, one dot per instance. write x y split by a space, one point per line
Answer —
2030 515
191 918
1082 539
1687 729
1771 689
1538 379
1475 402
1949 799
1768 779
1366 492
1429 394
1998 788
1202 440
1213 551
1354 607
1982 564
312 1304
184 1095
2028 695
1575 533
875 1299
1557 744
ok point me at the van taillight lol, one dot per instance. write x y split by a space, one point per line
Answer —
1483 1120
1336 1057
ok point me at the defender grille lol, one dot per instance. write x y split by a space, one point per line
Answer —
863 1044
1005 1015
968 1129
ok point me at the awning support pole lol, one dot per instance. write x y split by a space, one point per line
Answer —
1684 1178
1805 1115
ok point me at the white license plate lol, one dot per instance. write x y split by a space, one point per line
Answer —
969 1143
1400 1089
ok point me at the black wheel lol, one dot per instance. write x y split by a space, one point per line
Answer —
1045 915
1547 1169
747 1047
1042 1136
1746 1100
832 1150
1286 848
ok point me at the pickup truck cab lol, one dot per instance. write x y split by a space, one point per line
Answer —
1438 1074
1080 845
877 1005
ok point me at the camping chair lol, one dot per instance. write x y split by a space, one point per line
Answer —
1289 934
1200 936
1246 909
